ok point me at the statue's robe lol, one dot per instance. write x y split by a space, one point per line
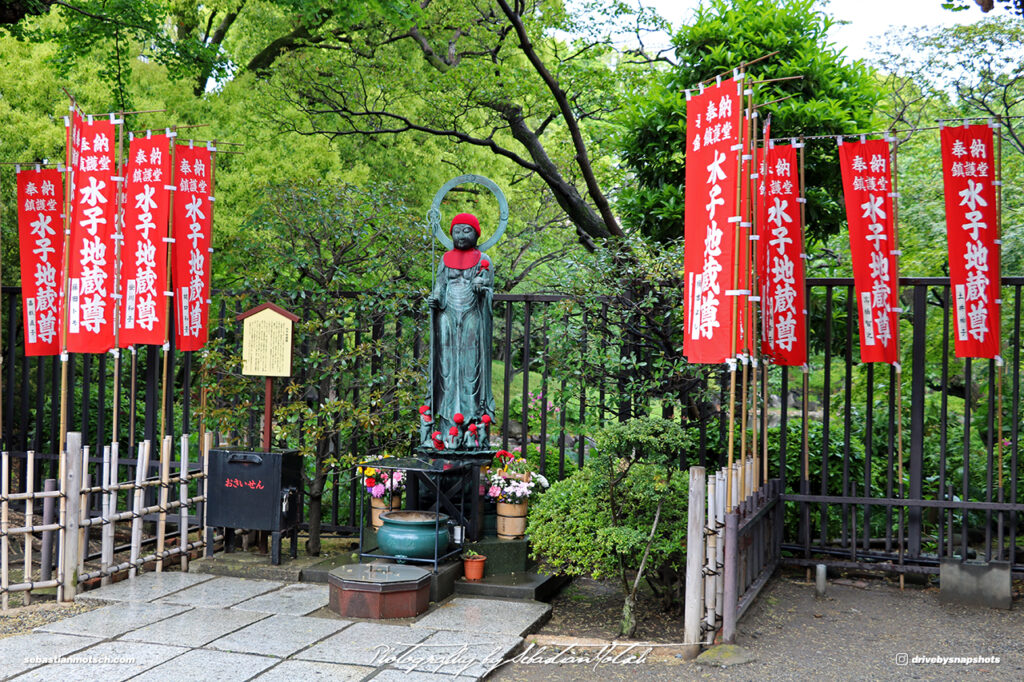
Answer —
460 374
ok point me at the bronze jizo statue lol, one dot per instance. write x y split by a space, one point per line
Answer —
460 405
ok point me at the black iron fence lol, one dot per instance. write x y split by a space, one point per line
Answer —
959 494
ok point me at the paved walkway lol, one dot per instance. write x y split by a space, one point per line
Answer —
194 626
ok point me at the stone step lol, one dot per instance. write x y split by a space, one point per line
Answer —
528 586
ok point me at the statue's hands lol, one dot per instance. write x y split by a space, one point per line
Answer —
433 301
479 284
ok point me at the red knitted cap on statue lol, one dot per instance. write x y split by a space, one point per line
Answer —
465 219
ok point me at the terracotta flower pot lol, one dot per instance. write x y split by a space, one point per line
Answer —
511 521
379 505
473 567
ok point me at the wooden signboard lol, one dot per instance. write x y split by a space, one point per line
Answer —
267 341
267 351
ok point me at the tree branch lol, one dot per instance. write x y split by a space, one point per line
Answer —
611 225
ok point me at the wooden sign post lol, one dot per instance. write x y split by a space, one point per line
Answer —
267 351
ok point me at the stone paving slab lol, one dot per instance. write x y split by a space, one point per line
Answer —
114 620
457 654
291 670
138 658
208 665
220 592
363 643
23 652
495 616
278 635
293 600
145 587
194 628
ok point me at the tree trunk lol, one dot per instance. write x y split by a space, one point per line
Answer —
627 628
315 506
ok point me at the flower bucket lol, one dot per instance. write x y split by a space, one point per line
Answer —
511 521
379 505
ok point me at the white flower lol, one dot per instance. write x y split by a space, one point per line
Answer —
542 480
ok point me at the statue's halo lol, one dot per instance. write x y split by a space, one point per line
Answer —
434 215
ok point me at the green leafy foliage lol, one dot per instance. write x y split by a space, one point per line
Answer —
827 95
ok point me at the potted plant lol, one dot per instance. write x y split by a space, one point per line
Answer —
385 489
473 564
511 482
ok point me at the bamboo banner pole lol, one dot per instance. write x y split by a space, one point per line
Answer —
171 135
69 181
894 168
755 298
118 241
741 247
999 358
734 309
805 483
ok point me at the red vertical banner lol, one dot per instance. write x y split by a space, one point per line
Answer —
781 265
968 173
193 223
144 251
714 145
867 190
90 312
41 241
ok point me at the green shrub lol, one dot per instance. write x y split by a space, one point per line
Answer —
622 515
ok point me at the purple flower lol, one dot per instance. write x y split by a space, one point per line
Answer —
377 490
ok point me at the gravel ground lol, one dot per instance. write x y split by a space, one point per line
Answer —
20 620
852 634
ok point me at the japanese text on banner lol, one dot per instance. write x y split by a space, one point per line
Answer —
968 171
193 221
867 191
144 251
41 241
784 334
90 314
714 145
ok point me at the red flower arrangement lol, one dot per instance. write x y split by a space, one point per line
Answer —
485 265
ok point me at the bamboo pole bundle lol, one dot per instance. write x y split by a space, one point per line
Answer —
140 468
5 579
710 568
720 505
108 498
161 527
83 512
183 498
30 488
